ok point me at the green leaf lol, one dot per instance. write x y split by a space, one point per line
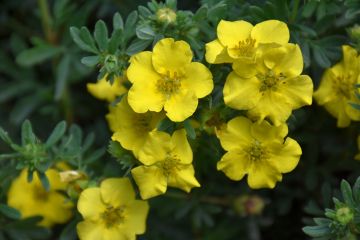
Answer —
9 211
130 24
118 22
137 46
145 32
37 54
101 35
143 11
115 41
190 131
90 61
56 134
347 193
83 39
44 180
27 135
356 191
356 106
171 4
309 9
317 231
5 136
320 57
69 232
62 75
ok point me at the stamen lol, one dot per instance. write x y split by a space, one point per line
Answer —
113 216
168 84
246 48
256 152
169 164
344 86
270 81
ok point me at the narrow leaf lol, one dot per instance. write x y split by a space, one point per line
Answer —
101 35
9 211
27 135
190 131
118 22
57 134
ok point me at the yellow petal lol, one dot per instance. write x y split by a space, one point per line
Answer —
241 93
263 175
286 59
143 97
236 133
57 209
235 164
354 114
137 212
181 105
337 109
117 191
104 90
285 157
90 204
217 53
350 57
244 69
231 33
171 56
273 106
181 147
325 92
298 91
141 69
271 31
183 178
156 148
198 78
150 180
265 132
121 115
88 230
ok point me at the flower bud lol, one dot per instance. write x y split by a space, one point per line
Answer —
344 215
166 15
249 205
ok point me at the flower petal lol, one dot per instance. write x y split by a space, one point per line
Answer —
217 53
263 175
90 204
117 191
337 109
285 157
231 33
244 69
235 164
183 178
181 105
181 146
141 69
271 31
298 91
137 212
171 56
105 91
150 180
265 132
236 133
241 93
145 97
88 230
156 148
198 78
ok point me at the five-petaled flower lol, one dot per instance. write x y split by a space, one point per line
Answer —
167 162
132 129
240 40
111 212
258 150
166 78
337 88
272 87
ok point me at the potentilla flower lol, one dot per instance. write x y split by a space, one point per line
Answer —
111 212
31 199
166 78
167 162
104 90
272 87
258 150
132 129
337 88
240 40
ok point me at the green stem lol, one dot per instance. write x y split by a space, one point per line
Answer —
46 19
295 10
67 106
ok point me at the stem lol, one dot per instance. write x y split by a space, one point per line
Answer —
67 106
295 10
46 20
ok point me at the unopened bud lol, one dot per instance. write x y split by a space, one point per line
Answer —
249 205
166 15
344 215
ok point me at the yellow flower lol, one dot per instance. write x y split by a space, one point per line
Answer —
357 156
258 150
104 90
111 212
166 78
337 88
272 88
31 199
167 162
131 129
241 40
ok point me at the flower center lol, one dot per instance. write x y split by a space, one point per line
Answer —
169 164
344 85
270 81
113 216
256 152
142 122
168 85
246 48
40 193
